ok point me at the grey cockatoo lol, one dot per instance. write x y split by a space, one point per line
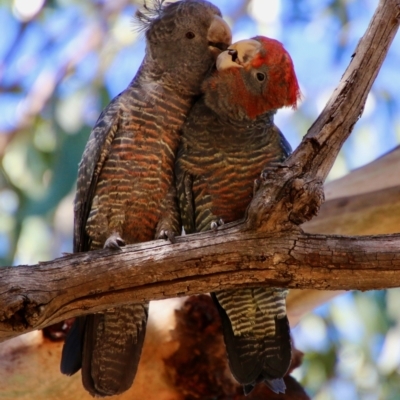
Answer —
125 191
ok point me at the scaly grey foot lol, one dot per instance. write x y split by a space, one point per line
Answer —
114 242
215 224
167 235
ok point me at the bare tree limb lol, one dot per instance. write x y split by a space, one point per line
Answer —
32 297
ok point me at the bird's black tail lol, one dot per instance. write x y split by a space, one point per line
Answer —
107 346
71 358
257 335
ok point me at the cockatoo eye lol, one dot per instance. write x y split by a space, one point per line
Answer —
190 35
260 76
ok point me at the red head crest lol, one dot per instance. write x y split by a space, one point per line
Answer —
253 77
283 85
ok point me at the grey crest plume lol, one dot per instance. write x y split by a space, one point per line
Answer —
149 12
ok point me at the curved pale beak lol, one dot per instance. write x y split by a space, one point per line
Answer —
219 36
238 54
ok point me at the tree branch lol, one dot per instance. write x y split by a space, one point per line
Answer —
32 297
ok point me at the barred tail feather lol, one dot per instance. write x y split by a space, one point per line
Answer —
107 346
257 336
112 348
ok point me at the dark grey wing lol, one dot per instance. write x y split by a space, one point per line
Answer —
184 184
93 158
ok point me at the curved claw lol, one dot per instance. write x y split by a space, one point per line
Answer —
215 224
167 235
114 242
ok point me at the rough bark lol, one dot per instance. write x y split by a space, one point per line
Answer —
267 249
32 297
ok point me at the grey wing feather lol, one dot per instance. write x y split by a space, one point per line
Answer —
111 343
94 155
93 158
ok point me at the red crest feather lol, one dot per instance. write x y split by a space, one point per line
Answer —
284 86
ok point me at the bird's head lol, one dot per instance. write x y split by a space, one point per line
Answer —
253 77
183 40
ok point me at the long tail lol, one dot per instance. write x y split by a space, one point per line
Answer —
256 334
107 346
